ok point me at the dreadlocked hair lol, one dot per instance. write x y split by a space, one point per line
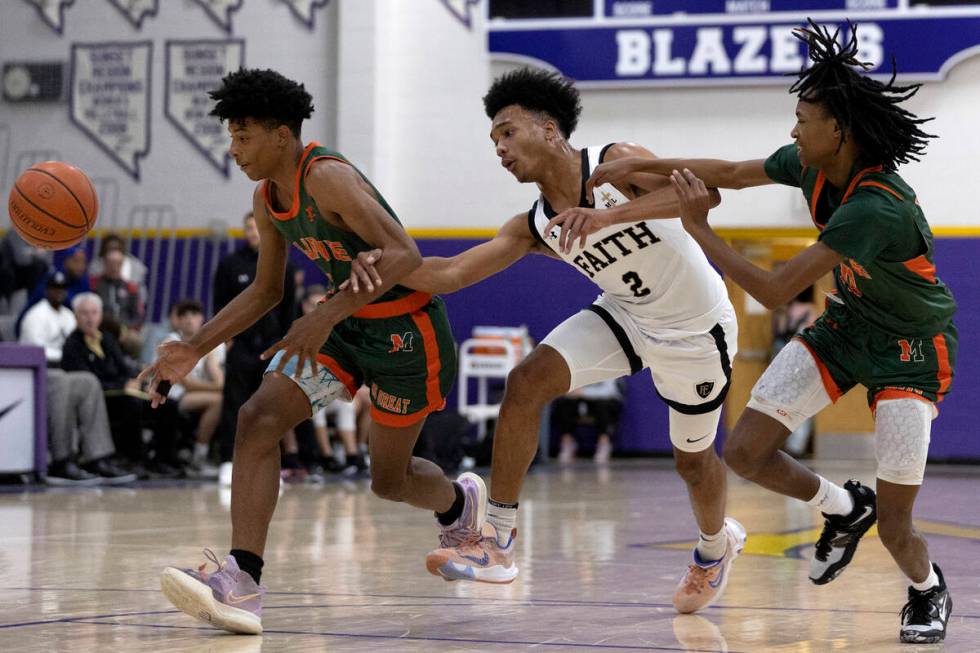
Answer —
538 91
864 107
263 95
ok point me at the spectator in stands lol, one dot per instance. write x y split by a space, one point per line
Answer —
49 322
243 368
22 268
90 349
123 303
200 391
133 269
74 399
600 404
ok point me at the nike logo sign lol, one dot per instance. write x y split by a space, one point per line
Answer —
231 598
867 511
718 580
698 439
9 408
480 561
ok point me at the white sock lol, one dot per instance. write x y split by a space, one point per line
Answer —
929 582
200 451
832 499
712 547
503 516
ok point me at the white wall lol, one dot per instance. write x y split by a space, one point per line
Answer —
173 173
398 87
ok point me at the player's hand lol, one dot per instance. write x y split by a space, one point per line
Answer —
576 223
610 172
304 340
694 198
363 274
175 360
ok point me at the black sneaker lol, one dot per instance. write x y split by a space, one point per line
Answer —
66 472
841 534
109 473
924 617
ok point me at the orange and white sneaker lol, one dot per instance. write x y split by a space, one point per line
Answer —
704 582
480 556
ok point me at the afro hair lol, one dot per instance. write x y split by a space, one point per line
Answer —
539 91
263 95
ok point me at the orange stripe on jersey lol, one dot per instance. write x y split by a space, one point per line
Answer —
342 375
433 364
401 421
408 304
817 188
945 373
881 186
921 266
828 381
294 208
857 178
894 393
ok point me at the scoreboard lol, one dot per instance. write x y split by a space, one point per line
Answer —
710 42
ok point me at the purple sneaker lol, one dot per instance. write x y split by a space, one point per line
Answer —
228 598
473 515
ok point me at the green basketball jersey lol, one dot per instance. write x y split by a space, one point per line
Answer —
330 247
888 277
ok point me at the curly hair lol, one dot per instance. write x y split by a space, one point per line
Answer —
263 95
868 109
539 91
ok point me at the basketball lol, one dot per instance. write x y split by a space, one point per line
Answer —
53 205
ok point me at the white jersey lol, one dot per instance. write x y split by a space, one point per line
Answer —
651 268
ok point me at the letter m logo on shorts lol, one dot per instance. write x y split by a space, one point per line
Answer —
911 351
401 342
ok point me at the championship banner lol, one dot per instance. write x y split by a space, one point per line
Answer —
193 68
110 98
709 42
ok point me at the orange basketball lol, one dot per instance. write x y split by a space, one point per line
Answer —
53 205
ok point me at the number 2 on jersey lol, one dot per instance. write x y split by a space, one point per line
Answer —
636 284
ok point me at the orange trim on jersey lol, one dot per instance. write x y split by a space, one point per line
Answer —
338 371
828 381
294 208
894 393
433 364
817 188
404 306
400 421
945 373
921 266
857 178
881 186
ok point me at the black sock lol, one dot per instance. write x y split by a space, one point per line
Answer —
451 515
249 563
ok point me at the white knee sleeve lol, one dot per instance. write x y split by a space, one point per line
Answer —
902 431
790 390
693 433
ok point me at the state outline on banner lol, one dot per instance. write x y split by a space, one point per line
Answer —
52 12
224 165
136 11
220 11
304 10
462 10
132 168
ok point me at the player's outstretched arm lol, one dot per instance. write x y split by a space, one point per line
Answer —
176 359
715 173
652 198
770 288
442 275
